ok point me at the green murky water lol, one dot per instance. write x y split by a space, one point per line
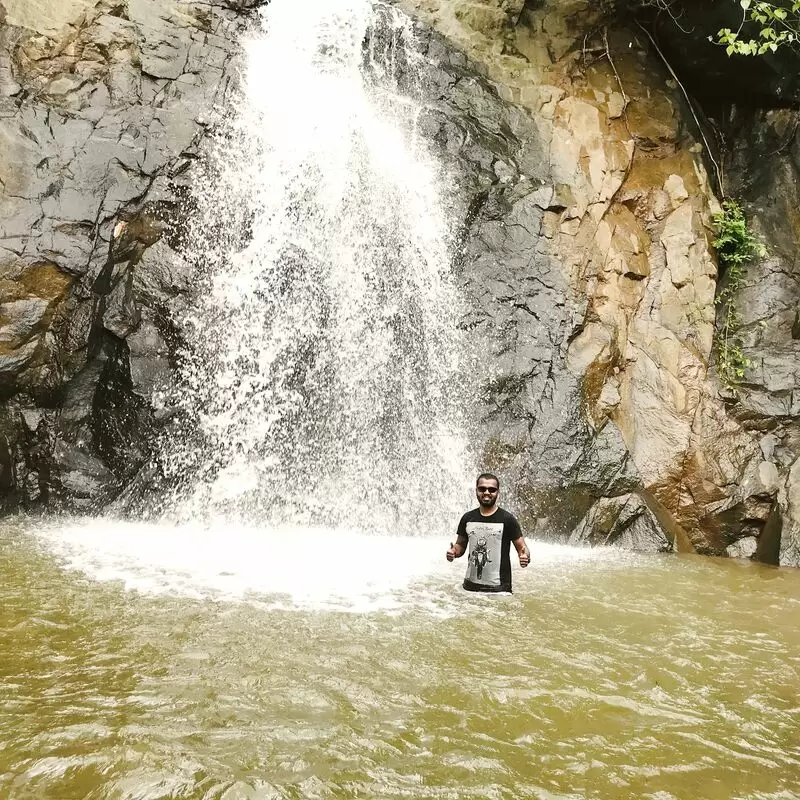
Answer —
606 675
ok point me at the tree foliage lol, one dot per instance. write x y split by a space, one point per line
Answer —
764 28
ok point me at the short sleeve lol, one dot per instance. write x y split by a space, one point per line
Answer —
514 530
462 526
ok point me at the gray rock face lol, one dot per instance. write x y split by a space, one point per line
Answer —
102 107
625 521
765 171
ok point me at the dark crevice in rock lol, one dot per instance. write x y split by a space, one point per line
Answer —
769 543
709 74
122 423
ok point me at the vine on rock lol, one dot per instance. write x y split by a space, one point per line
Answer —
737 247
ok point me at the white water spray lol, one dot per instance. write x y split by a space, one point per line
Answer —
324 361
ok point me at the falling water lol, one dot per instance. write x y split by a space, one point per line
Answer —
322 369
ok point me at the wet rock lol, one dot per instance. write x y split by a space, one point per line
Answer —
83 480
769 547
150 365
743 548
22 320
624 521
789 505
764 169
98 120
8 478
34 301
14 362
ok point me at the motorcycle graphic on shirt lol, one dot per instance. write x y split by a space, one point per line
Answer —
480 556
483 564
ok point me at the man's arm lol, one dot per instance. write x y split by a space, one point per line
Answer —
459 548
522 551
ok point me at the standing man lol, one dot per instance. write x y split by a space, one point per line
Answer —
489 530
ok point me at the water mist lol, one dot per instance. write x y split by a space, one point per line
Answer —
323 367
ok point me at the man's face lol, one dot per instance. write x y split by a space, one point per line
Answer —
487 490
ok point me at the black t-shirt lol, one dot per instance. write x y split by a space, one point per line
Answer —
489 561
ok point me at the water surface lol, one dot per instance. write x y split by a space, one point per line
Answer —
148 663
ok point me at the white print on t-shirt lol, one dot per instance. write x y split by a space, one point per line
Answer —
483 565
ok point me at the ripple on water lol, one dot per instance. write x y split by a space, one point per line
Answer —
136 663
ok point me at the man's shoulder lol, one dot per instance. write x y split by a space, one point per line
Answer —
500 515
472 514
510 520
467 517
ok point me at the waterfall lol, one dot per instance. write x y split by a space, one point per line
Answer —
322 380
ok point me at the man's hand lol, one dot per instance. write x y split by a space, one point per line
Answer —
458 549
524 557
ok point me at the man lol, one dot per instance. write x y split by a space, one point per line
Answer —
490 531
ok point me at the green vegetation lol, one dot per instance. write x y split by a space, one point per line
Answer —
776 25
737 247
763 28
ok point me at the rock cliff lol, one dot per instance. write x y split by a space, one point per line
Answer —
606 406
586 173
103 106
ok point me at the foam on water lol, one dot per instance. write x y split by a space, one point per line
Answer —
289 567
284 567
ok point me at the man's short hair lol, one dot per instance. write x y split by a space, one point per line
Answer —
488 475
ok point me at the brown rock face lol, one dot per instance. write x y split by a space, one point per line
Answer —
628 224
32 306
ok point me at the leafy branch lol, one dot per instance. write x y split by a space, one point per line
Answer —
764 27
737 247
779 26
